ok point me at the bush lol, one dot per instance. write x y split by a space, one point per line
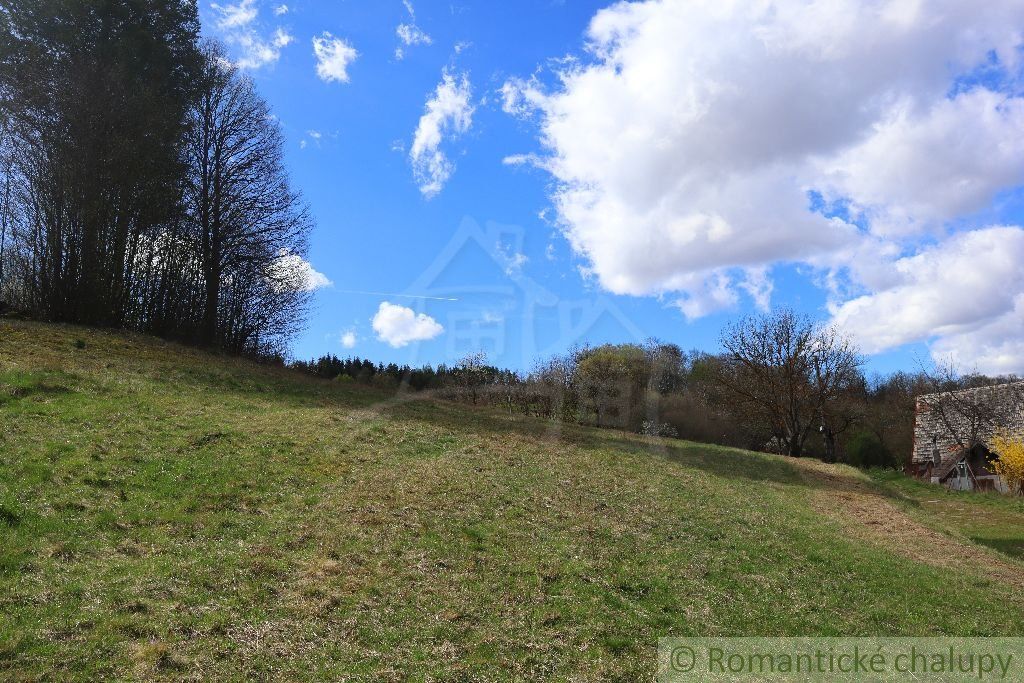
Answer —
864 450
1010 465
385 382
695 419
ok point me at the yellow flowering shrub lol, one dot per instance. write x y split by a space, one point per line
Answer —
1010 465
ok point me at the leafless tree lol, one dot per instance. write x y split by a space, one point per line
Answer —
7 164
249 226
839 389
790 376
890 409
553 389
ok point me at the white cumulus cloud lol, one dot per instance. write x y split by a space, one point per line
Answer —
966 292
448 112
333 57
291 271
921 168
349 339
994 347
698 143
399 326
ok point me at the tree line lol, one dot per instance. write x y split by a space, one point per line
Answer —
471 372
143 180
782 383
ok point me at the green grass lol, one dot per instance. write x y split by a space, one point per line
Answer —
989 519
169 514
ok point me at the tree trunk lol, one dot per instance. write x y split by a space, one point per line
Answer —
829 438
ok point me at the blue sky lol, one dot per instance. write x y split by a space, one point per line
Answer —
525 176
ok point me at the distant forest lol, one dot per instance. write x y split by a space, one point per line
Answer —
782 383
142 179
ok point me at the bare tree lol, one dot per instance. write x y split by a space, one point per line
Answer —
7 162
839 388
890 410
554 392
249 226
788 375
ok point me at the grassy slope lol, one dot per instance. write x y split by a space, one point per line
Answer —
169 514
993 521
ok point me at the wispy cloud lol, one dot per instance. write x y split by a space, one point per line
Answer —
514 260
239 28
409 33
235 16
448 112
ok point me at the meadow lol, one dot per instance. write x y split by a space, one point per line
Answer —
169 514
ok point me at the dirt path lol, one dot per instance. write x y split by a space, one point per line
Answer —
873 517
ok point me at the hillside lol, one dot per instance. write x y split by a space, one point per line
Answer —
169 514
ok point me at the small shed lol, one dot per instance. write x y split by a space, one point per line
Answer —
968 470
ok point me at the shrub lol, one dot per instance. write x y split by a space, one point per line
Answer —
695 419
1010 465
865 450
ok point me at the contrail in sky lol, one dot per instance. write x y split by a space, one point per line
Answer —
403 296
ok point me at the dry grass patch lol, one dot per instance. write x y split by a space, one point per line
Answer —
870 514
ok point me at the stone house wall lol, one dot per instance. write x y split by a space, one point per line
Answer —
931 433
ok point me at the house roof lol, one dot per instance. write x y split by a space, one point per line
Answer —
948 464
976 414
991 388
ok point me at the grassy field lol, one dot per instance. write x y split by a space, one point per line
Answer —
168 514
993 521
